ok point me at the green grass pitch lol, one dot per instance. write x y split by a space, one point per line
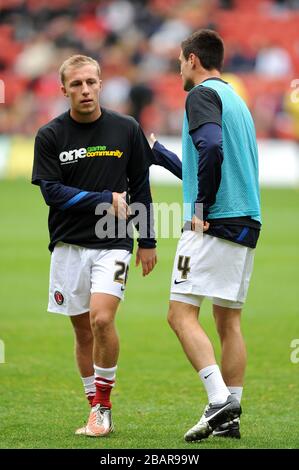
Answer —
158 395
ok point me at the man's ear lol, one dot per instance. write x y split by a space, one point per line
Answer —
192 59
64 91
195 61
101 85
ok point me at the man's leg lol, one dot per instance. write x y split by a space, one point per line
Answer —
103 309
183 319
83 343
84 352
233 359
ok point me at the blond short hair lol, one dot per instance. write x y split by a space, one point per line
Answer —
77 61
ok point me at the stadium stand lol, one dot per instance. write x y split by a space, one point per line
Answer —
137 43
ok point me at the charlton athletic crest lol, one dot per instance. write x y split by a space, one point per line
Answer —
58 297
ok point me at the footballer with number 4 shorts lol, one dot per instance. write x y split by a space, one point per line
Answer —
215 254
86 157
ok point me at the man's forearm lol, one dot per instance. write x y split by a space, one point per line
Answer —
64 197
169 160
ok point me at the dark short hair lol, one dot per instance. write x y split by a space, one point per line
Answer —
208 46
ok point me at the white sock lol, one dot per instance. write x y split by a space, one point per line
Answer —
214 384
89 385
105 373
236 392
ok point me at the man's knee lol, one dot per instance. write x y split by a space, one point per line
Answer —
228 325
172 316
179 315
101 320
103 308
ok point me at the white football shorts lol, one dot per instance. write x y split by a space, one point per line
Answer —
207 266
77 272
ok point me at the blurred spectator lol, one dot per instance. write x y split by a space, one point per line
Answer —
238 60
137 43
287 4
119 15
273 61
115 93
36 57
291 106
264 111
141 96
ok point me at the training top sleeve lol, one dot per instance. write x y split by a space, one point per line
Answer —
208 142
203 105
46 164
167 159
139 187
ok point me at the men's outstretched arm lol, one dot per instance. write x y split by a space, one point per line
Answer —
64 197
167 159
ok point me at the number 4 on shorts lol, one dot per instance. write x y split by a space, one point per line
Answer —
184 266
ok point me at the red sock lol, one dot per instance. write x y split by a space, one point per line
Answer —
90 398
103 391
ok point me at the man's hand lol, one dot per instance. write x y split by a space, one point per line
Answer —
198 225
152 140
119 206
148 258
